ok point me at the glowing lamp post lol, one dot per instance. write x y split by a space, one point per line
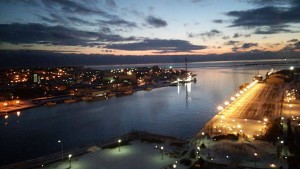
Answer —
198 152
70 155
162 153
119 141
62 149
255 156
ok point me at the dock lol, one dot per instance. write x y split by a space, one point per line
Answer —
248 111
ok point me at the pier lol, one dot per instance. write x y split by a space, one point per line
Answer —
248 112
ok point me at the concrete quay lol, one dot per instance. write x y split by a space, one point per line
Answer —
248 112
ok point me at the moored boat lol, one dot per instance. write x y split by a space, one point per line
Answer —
50 104
87 98
70 100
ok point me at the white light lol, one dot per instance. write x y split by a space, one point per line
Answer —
292 68
220 108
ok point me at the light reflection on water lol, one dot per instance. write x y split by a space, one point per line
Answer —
175 111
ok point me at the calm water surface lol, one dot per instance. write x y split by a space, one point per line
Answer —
175 111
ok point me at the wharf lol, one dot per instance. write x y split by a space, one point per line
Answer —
11 106
248 112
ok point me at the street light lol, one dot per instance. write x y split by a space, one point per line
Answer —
162 154
255 155
119 141
174 165
62 149
70 155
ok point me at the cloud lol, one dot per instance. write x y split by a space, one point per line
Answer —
225 37
273 30
158 44
210 34
156 22
268 2
243 47
232 42
218 21
111 3
297 45
237 35
248 45
80 21
266 16
292 47
74 7
293 40
53 35
118 22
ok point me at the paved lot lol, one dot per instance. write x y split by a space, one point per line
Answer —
135 156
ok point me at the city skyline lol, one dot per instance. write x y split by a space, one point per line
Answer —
113 27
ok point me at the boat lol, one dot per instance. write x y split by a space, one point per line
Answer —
174 84
99 98
148 89
70 100
87 98
111 94
50 104
125 93
258 77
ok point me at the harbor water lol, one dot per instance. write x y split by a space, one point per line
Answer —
179 111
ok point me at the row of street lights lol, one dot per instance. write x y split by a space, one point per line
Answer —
161 151
62 152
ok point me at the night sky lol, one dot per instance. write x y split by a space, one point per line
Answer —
144 27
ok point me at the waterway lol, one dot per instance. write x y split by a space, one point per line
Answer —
175 111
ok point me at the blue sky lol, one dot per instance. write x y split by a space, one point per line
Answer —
144 27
